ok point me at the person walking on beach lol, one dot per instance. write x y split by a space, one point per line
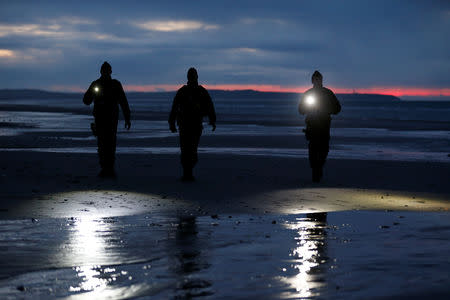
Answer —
191 103
318 103
107 94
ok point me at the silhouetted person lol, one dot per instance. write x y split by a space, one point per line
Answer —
317 104
191 103
107 94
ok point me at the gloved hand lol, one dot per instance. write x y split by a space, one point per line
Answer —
127 124
173 128
213 126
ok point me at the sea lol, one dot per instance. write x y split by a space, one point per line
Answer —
369 127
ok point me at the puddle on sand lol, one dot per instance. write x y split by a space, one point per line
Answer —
339 255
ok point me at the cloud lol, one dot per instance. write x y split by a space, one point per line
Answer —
175 26
68 20
30 55
62 27
31 30
357 45
256 21
76 21
66 29
106 37
245 50
7 53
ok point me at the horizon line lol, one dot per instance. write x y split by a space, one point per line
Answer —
392 91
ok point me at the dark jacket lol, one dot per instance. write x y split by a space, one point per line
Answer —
191 103
326 104
318 118
107 94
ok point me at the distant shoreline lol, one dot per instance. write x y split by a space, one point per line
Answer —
35 93
39 93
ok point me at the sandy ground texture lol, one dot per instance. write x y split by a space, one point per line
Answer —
39 184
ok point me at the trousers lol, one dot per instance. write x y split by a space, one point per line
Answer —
318 149
189 140
106 141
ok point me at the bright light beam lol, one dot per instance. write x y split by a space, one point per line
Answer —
310 100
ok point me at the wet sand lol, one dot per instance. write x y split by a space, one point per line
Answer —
65 185
339 255
242 230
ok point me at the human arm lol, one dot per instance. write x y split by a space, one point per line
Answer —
123 102
209 109
174 112
335 106
301 105
89 95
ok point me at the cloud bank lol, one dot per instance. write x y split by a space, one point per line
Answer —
375 45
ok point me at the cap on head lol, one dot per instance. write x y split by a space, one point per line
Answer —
316 79
106 69
317 74
192 74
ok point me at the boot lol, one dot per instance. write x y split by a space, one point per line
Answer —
107 173
316 174
187 175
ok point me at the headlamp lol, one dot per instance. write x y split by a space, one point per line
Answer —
96 89
310 100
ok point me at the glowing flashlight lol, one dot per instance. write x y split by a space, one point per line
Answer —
310 100
96 89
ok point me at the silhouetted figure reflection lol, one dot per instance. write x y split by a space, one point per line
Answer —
107 94
190 260
318 234
185 242
318 217
317 104
191 103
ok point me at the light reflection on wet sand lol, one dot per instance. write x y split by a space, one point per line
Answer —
336 255
308 255
89 246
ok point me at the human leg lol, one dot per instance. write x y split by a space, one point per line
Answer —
189 140
313 160
318 151
106 141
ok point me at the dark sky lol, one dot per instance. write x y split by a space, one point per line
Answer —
376 45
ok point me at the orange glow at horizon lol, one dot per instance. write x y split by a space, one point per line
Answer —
394 91
398 91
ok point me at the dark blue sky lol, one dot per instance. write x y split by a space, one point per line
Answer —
363 45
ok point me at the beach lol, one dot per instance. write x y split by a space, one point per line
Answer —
322 169
35 184
239 229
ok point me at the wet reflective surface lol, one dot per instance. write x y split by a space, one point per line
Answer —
349 142
339 255
309 257
357 152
